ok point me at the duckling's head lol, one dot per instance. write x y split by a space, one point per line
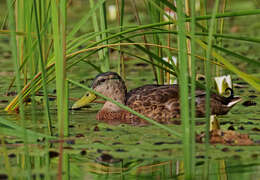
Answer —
109 84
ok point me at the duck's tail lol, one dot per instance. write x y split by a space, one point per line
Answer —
234 101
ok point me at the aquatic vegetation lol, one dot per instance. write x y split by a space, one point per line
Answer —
71 41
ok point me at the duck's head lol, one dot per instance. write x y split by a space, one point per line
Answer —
109 84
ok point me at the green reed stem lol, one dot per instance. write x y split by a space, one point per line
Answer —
126 108
59 15
59 25
103 27
184 90
122 63
220 29
193 84
3 151
66 166
18 82
155 17
137 17
98 37
228 14
43 74
208 84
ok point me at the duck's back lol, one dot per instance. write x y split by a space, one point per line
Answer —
159 102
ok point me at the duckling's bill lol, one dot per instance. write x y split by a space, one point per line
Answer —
87 98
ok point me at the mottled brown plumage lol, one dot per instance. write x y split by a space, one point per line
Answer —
158 102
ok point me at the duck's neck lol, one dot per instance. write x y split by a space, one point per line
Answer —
116 92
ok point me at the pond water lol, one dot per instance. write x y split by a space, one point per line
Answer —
96 150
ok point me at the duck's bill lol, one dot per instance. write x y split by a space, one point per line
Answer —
87 98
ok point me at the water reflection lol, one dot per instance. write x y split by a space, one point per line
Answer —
78 166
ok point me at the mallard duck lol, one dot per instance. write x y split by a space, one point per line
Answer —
158 102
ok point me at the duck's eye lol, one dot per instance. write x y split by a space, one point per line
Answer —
102 80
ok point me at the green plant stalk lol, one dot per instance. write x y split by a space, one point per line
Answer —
145 40
59 25
59 39
37 165
20 15
4 20
155 17
203 12
66 166
193 85
228 14
18 81
121 56
127 108
184 87
83 21
66 110
42 66
3 151
221 29
65 93
29 55
98 37
103 27
47 162
208 85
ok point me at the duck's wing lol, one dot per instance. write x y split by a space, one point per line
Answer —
159 102
152 93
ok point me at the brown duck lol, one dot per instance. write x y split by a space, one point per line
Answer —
158 102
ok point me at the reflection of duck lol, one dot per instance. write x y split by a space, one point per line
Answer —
159 102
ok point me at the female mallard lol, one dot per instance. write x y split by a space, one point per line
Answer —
158 102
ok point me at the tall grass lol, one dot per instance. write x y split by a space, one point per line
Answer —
16 64
58 51
183 80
